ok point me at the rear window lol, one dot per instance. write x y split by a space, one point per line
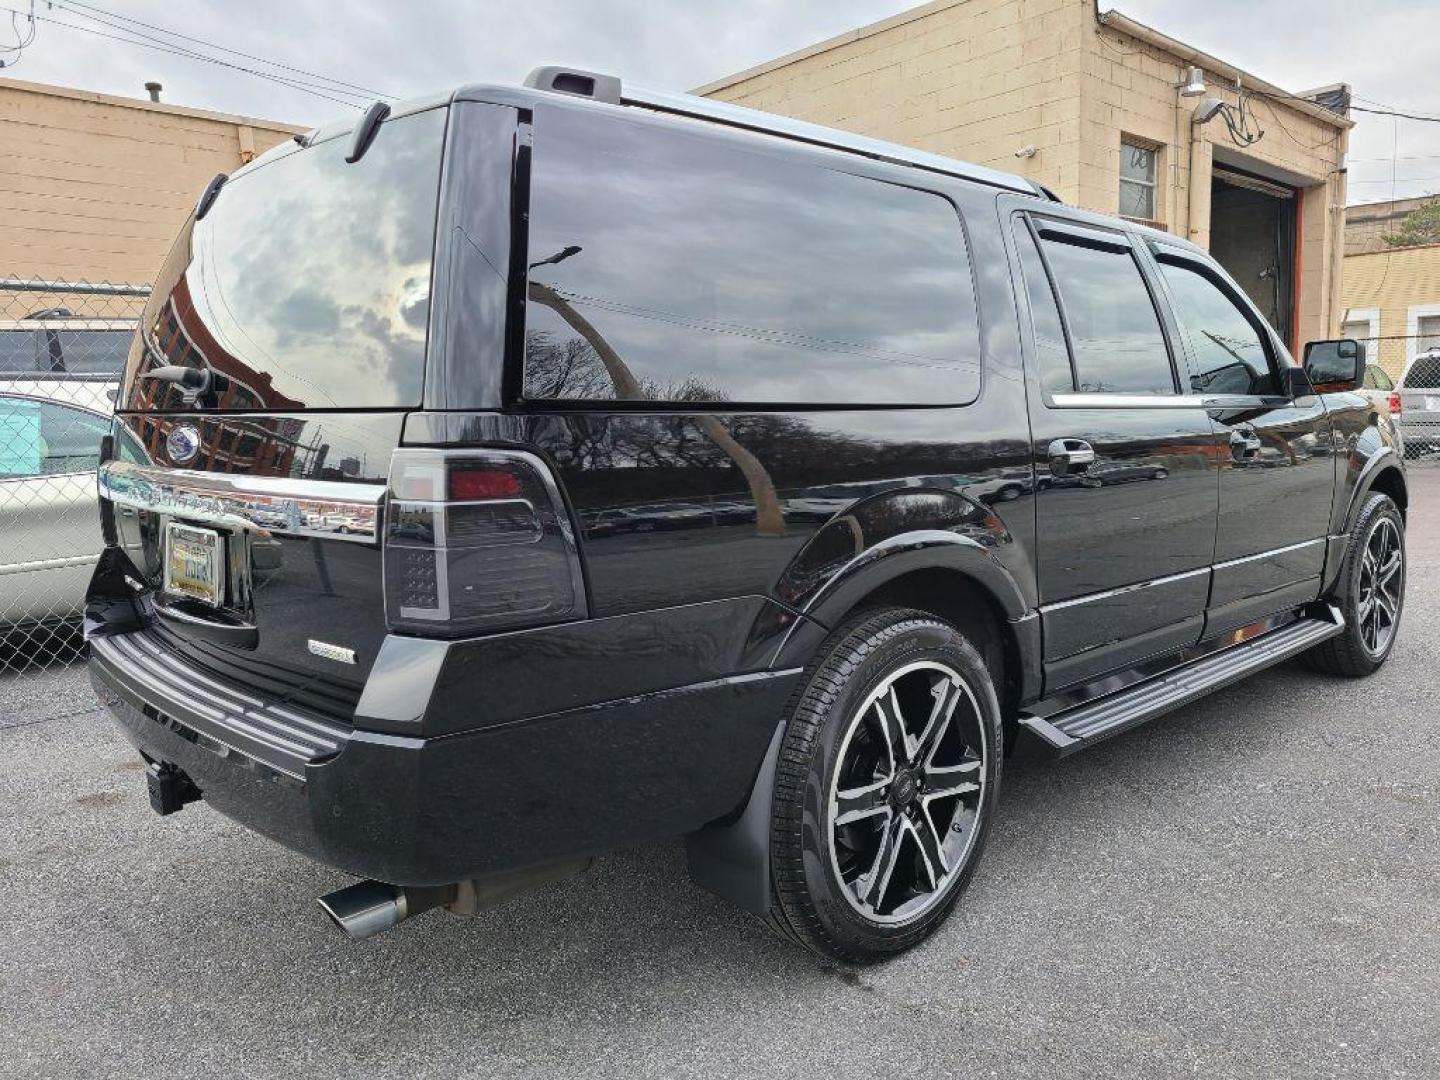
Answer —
1424 373
308 283
671 265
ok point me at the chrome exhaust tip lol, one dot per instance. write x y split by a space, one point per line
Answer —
368 908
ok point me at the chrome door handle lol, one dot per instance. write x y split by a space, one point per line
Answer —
1070 455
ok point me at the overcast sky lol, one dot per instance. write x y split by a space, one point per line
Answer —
1385 49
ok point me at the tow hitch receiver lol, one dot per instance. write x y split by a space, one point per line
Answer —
170 789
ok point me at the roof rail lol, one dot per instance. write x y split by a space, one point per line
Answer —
607 88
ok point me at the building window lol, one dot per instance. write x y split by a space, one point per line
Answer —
1137 180
1422 330
1427 329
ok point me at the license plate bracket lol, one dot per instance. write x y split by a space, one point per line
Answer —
194 563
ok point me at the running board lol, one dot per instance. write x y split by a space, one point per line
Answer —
1075 728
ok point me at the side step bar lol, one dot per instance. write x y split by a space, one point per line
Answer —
1075 728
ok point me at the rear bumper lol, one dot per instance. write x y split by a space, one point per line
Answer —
431 811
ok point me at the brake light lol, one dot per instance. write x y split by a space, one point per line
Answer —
477 540
1394 403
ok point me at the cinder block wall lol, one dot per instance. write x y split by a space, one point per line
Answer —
94 187
973 79
1392 282
981 79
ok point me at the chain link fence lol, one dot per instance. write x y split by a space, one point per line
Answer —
62 347
1409 381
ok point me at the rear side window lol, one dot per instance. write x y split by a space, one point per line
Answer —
1227 351
670 265
1115 333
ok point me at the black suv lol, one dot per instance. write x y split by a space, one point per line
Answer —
534 472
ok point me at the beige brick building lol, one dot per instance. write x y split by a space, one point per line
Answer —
1391 294
95 187
1091 106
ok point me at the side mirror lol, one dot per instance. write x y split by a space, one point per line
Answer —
1335 366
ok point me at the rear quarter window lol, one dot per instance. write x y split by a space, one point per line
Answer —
675 265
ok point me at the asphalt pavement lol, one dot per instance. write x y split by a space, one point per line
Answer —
1247 888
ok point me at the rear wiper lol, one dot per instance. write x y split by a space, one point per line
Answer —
194 383
207 197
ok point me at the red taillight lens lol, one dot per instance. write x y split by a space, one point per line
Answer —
475 541
468 484
1394 403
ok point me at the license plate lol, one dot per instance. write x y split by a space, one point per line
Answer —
194 563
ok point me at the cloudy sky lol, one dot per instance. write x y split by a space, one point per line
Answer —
407 48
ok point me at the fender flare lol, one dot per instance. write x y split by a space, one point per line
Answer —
1383 460
892 558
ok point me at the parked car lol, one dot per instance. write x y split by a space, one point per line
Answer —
55 342
865 346
1419 413
50 432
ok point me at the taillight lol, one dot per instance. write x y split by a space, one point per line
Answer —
1394 403
477 540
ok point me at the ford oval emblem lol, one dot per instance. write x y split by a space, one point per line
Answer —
183 443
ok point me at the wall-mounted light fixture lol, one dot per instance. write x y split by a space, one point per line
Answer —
1193 84
1027 151
1207 110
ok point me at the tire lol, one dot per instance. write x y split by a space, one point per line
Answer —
926 810
1372 615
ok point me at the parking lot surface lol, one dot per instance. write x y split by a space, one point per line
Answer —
1247 888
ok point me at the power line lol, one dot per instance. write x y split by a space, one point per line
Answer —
1396 113
296 84
73 5
299 84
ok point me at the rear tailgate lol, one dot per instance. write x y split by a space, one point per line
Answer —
298 610
263 396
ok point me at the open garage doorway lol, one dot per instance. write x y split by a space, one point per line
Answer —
1253 225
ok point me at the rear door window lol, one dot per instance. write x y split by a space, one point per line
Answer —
1115 336
676 265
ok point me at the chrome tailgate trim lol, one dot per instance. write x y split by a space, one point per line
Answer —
278 505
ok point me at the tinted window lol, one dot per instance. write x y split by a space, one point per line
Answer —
18 351
308 282
92 352
1376 379
687 266
1227 351
39 438
1114 331
1050 350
